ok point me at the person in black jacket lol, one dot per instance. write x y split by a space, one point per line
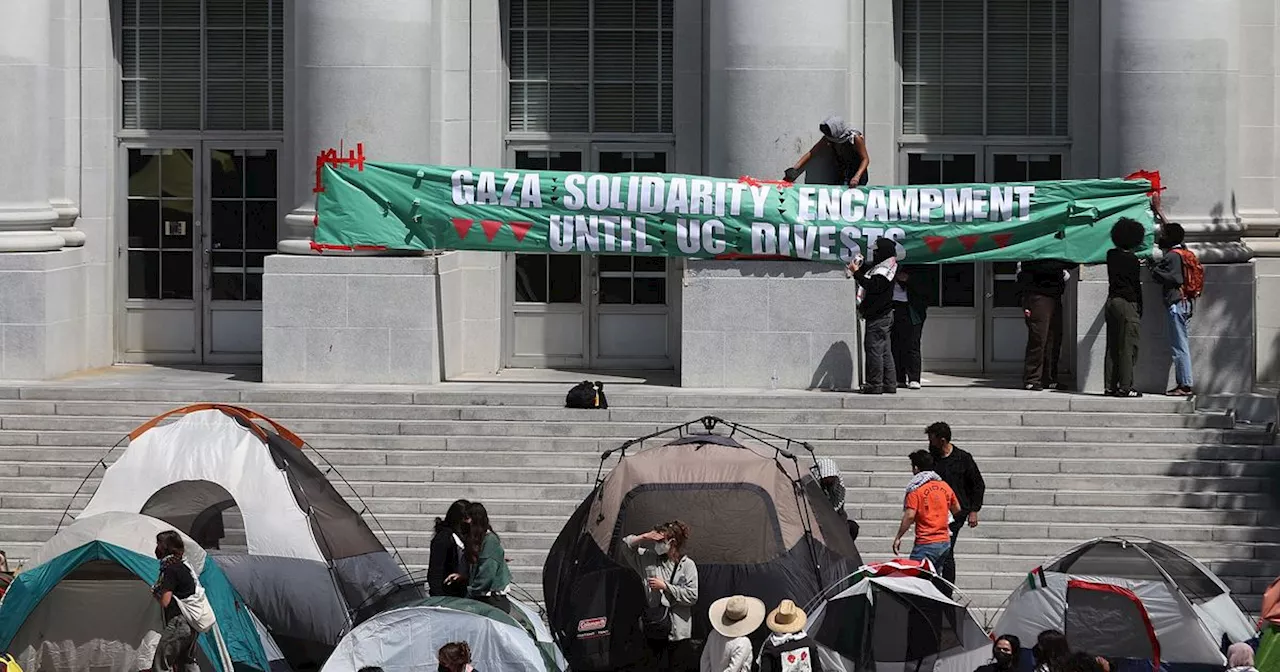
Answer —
1042 283
788 640
1004 653
958 470
446 557
876 283
1124 308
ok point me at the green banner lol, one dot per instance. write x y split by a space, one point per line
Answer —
376 206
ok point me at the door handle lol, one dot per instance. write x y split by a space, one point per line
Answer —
207 271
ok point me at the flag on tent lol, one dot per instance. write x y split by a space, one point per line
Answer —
1037 577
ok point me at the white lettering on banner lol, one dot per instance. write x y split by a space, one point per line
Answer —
574 199
735 202
904 204
720 197
509 189
625 233
713 236
1001 203
849 248
804 210
804 240
700 197
586 233
608 225
826 243
677 197
828 205
873 234
531 191
1024 201
487 189
633 192
759 196
651 191
956 204
764 238
851 205
642 237
463 191
929 199
689 242
978 206
598 192
559 226
877 207
896 234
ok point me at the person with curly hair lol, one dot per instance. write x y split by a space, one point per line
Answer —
454 657
671 585
1123 309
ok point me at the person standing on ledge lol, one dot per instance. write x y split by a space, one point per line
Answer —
1123 312
1042 283
841 157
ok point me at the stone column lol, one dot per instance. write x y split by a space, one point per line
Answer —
64 121
361 72
1170 96
774 70
26 218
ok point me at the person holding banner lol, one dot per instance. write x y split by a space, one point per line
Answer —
875 290
841 145
1042 283
1123 310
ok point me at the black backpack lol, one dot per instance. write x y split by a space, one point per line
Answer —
586 395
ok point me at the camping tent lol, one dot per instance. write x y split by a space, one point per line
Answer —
407 638
895 616
312 563
84 601
1268 658
1129 598
761 526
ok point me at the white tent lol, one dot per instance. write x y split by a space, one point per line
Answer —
894 618
406 639
312 564
1129 598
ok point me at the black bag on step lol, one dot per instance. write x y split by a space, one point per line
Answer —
586 395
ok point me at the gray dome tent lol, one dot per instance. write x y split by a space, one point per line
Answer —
761 526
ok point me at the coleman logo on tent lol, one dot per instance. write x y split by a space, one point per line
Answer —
1037 576
592 624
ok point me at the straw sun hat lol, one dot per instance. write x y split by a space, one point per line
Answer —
736 616
787 618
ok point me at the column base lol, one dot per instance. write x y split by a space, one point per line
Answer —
350 320
67 213
43 313
28 228
768 325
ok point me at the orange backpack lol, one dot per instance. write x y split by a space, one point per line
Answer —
1192 274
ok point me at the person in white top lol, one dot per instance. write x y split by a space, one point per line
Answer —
733 619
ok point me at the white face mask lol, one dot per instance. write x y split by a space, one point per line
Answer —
661 548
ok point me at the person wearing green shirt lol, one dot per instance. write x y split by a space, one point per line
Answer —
490 578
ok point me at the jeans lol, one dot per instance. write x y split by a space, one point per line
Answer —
879 358
1179 320
934 552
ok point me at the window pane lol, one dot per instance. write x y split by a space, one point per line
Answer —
1006 294
260 174
176 178
1045 167
144 174
649 162
226 169
610 263
651 291
1007 168
144 275
957 285
144 223
175 275
532 160
615 290
565 278
959 168
566 161
227 287
226 224
176 222
260 225
650 264
253 286
923 169
531 278
615 162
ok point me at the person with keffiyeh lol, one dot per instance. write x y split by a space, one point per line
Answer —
930 505
875 303
827 473
177 647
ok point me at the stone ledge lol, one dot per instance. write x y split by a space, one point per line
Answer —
344 265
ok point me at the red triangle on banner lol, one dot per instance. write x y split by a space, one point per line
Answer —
491 228
968 242
1002 239
463 227
520 229
934 243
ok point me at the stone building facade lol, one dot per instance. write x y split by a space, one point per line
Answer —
157 201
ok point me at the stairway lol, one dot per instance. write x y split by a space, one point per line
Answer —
1060 468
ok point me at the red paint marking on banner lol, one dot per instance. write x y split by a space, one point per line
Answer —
1002 239
463 227
333 157
315 219
968 242
754 182
934 243
520 230
491 228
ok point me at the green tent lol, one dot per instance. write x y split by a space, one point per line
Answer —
84 601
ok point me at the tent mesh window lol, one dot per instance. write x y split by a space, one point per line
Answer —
704 507
910 628
1194 583
1107 624
1110 559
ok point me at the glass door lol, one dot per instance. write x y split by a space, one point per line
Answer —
163 306
1005 327
243 207
952 336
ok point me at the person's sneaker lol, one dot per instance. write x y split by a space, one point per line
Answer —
867 389
913 385
1033 387
1054 386
890 390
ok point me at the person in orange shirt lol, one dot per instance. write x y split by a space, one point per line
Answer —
929 506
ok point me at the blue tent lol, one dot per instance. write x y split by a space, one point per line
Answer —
84 600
